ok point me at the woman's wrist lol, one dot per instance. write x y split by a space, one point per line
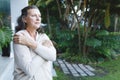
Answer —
32 44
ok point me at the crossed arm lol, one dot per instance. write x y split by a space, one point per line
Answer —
44 50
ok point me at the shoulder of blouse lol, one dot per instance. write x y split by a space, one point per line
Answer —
43 36
20 32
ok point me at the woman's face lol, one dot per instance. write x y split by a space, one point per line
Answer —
33 18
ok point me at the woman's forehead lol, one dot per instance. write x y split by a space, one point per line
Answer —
33 11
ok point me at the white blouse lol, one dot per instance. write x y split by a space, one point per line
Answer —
33 64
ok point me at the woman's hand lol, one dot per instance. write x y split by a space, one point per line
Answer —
24 40
47 43
20 39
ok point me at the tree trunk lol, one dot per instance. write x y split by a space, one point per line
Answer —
116 22
78 28
59 9
48 21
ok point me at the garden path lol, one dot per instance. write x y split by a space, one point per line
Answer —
75 70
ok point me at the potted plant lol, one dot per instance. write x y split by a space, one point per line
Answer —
5 37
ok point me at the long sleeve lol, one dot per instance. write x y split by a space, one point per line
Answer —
25 61
48 53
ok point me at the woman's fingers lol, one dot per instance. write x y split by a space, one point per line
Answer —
16 38
47 43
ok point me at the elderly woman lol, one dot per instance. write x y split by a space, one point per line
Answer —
33 51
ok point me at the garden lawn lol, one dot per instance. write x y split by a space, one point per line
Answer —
108 70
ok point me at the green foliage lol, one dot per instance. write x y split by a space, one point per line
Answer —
110 43
71 57
5 32
101 33
102 45
5 36
104 51
2 39
92 42
66 40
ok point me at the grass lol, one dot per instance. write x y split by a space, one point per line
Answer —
108 70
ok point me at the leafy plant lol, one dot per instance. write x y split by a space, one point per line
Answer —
67 41
109 44
5 33
5 36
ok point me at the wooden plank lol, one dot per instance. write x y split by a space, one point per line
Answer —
72 70
79 70
86 70
60 61
89 67
63 67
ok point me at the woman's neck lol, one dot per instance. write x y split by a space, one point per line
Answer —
31 32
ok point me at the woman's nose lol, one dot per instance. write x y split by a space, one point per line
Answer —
38 17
